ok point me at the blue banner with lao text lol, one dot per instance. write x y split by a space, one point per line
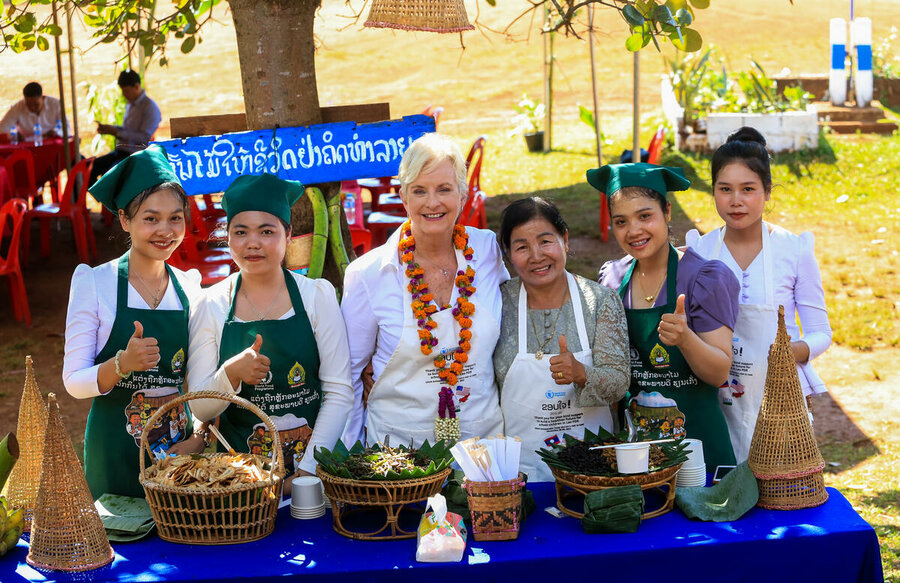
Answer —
311 155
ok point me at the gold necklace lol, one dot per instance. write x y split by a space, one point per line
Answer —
650 297
541 345
157 297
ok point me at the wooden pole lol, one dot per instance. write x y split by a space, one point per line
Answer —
594 84
548 75
72 83
62 96
636 121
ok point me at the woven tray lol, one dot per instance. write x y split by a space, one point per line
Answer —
214 516
392 496
569 485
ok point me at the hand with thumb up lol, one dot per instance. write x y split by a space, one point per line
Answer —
249 366
140 353
565 368
673 328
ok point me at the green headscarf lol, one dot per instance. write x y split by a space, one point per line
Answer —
132 176
265 192
614 177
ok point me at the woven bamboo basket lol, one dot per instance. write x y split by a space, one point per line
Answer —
425 15
569 485
792 493
25 479
215 516
392 496
496 508
784 455
66 533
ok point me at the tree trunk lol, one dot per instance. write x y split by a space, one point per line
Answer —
278 74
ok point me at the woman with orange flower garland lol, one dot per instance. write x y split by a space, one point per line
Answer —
423 309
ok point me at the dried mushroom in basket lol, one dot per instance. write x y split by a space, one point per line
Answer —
385 463
217 471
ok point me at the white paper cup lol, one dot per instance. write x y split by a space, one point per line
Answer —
695 454
307 493
633 458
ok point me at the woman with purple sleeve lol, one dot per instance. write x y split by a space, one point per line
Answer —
680 309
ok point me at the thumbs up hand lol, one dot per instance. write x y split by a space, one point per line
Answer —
250 366
673 328
140 353
565 368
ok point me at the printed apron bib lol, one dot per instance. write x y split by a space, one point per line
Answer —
291 394
403 402
741 396
116 421
538 410
665 396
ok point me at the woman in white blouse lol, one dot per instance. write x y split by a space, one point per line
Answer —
424 308
774 267
127 327
274 337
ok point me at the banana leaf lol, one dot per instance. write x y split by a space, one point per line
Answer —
335 461
675 452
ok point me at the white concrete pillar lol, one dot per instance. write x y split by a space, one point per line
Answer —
837 82
861 36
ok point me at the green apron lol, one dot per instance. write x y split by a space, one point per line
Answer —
112 436
662 369
291 394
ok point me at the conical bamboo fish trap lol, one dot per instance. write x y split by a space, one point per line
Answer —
67 533
425 15
25 478
784 455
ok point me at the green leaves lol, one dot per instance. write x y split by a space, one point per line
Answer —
188 44
633 16
345 463
690 41
637 41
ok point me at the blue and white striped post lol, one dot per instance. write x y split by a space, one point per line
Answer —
861 35
837 79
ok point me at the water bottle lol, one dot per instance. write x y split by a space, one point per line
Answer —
14 135
350 207
57 129
38 134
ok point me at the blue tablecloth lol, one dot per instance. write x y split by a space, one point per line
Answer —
830 543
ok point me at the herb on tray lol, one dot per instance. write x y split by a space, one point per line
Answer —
385 463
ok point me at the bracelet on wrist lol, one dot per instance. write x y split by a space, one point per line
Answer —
204 435
119 368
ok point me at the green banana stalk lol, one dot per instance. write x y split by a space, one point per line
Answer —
9 453
335 237
15 525
320 232
4 520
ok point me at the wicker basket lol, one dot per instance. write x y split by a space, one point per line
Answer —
25 479
66 533
214 516
792 493
569 485
496 508
390 495
425 15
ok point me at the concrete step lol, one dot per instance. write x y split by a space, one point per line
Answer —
826 110
865 127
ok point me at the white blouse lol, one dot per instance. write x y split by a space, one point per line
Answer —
320 303
374 307
797 286
92 311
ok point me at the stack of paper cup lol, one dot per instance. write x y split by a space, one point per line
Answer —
693 472
307 497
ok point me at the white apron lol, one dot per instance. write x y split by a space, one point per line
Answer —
404 400
754 332
538 410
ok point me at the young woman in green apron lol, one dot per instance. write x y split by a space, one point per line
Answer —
680 308
127 327
774 267
272 336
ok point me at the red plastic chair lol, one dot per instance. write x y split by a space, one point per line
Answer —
473 164
23 181
362 240
654 150
476 216
14 210
75 212
434 111
377 187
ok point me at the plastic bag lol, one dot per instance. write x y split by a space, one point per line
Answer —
441 537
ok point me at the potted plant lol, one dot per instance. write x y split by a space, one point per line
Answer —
527 121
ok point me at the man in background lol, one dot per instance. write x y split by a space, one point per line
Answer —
142 117
33 108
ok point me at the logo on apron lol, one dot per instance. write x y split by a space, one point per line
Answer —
659 357
654 413
178 361
296 376
167 431
551 441
635 356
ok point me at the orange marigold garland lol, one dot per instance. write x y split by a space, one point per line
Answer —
446 425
